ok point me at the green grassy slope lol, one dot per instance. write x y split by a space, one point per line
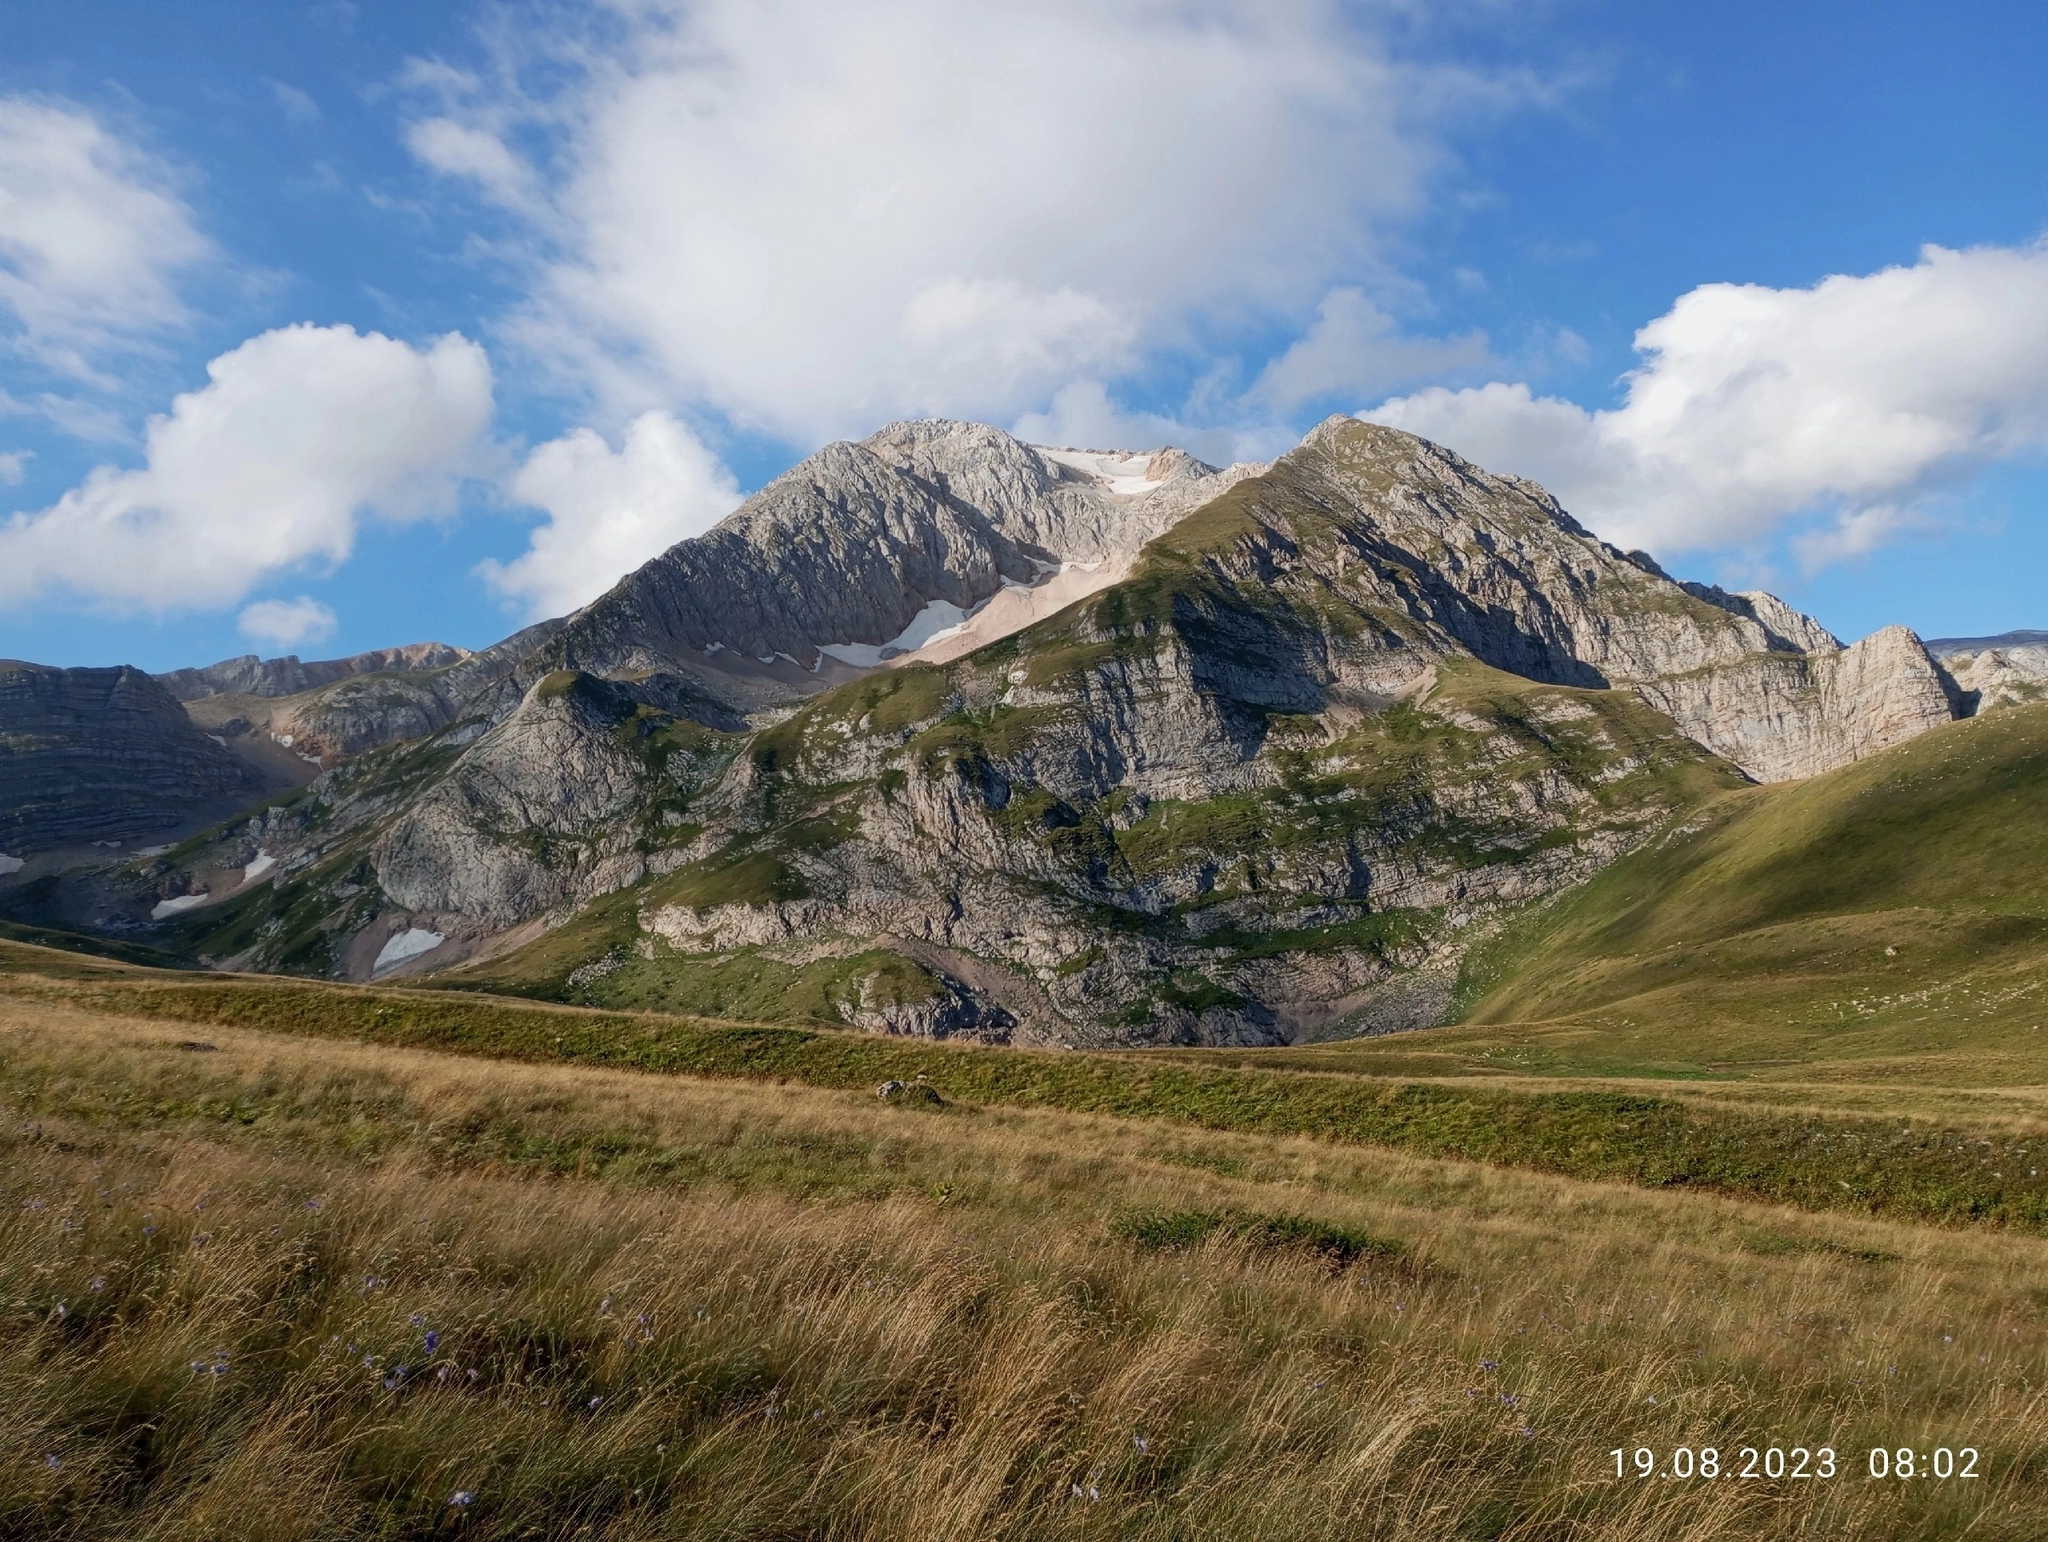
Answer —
1886 921
1909 1168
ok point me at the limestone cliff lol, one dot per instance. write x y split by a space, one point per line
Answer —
1991 672
103 755
945 733
1783 716
253 676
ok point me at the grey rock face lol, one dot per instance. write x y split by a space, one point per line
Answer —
950 1011
569 797
1316 722
1992 672
531 815
102 755
1787 628
252 676
1785 716
850 545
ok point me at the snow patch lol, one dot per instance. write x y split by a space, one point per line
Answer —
11 864
151 851
217 739
410 943
1016 606
1126 474
311 760
172 907
262 864
940 618
284 739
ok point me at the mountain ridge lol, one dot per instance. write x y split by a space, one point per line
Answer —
1298 732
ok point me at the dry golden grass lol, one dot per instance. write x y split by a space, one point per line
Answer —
804 1313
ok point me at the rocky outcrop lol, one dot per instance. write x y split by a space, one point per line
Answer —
937 1007
252 676
1785 716
103 755
1788 629
2009 670
850 546
1298 733
552 805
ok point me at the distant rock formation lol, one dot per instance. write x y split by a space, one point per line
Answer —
252 676
103 755
359 704
2003 671
1100 746
1783 716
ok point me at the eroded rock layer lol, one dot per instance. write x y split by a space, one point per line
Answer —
949 735
102 755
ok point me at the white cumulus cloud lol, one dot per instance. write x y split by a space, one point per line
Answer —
288 623
812 216
1853 399
92 234
268 466
609 510
462 150
1354 346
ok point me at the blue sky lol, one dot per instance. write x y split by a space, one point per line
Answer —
465 309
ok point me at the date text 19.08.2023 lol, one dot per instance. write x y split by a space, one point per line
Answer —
1794 1462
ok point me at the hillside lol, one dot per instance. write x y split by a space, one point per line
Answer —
1886 922
105 756
949 735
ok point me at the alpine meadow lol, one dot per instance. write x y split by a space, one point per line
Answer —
1037 773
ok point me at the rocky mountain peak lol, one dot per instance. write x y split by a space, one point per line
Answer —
253 676
1108 743
866 551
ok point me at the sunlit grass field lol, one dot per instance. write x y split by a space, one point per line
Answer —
344 1281
1884 924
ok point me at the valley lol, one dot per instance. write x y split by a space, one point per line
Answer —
1313 1000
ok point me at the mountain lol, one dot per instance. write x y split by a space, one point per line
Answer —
325 712
104 756
251 676
1892 916
943 733
2007 670
879 551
